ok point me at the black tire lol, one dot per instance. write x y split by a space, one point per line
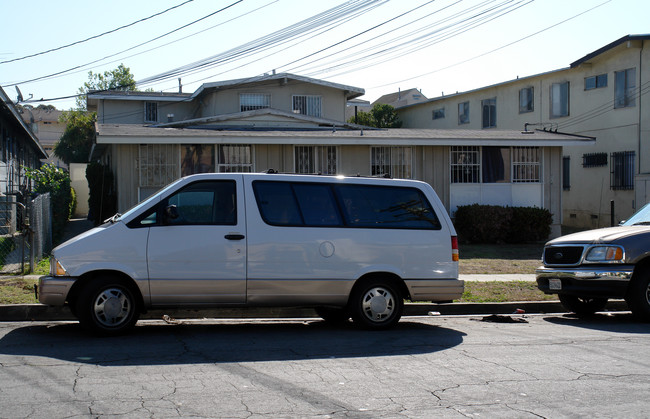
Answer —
107 306
333 315
376 304
638 295
582 306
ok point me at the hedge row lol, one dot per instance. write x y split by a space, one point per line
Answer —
495 224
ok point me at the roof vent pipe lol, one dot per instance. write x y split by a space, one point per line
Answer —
180 86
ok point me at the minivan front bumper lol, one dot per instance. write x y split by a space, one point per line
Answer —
53 290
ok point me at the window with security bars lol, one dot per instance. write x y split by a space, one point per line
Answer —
316 159
465 164
307 105
150 112
594 159
526 164
622 170
396 162
234 158
157 166
253 101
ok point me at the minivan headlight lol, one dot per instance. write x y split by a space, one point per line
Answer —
605 254
56 269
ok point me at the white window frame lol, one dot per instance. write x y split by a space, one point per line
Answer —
254 101
397 162
309 159
234 158
465 161
311 105
150 111
526 164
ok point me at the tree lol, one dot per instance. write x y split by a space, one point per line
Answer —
117 79
76 142
77 139
380 116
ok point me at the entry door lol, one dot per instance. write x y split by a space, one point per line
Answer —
197 250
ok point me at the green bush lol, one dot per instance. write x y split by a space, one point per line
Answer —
50 178
496 224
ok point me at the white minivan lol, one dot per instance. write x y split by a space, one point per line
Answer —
347 246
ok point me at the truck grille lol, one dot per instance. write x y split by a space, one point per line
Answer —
563 255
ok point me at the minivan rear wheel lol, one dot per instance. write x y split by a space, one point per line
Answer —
107 306
376 304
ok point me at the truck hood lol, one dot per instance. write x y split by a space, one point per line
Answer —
601 235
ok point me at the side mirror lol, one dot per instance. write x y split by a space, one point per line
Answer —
171 212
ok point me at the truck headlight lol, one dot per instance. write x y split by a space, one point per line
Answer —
56 269
608 254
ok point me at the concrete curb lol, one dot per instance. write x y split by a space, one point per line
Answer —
40 312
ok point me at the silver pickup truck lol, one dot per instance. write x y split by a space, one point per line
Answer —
586 269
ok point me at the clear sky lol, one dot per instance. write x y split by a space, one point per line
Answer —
378 45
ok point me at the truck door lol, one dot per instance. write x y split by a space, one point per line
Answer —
196 253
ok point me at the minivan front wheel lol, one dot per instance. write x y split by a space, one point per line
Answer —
107 306
376 304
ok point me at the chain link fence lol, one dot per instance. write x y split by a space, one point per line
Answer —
25 233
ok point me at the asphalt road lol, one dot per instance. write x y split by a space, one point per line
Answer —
444 366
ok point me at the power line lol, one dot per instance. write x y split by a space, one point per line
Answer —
97 36
128 49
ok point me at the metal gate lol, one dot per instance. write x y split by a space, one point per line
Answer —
14 237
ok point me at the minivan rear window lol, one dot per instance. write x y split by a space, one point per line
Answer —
336 205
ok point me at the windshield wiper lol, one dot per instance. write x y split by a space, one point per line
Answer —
642 223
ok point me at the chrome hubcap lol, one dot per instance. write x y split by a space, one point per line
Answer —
378 304
112 307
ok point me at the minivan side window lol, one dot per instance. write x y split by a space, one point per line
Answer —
386 207
329 205
200 203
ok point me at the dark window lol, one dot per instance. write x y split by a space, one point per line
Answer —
277 203
360 206
622 170
489 107
200 203
596 82
386 207
150 112
463 113
211 203
439 113
625 83
197 158
594 159
566 173
526 100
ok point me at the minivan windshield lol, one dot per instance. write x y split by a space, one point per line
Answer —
641 217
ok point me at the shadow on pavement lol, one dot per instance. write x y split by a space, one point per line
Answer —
157 343
621 322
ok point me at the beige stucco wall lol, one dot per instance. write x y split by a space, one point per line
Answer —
132 111
591 113
226 101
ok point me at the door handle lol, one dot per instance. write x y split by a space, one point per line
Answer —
234 236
